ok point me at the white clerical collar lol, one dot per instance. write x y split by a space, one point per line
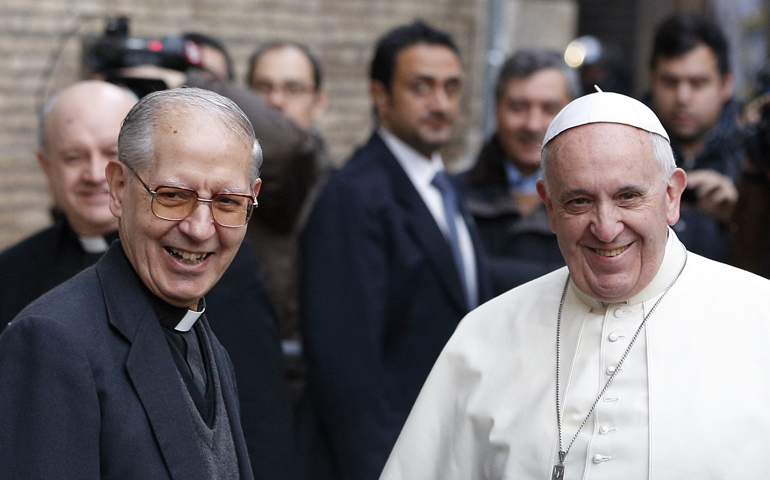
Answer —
189 320
94 244
669 267
419 168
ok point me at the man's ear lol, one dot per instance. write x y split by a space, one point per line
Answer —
45 164
727 87
380 98
676 186
117 179
543 194
257 186
321 100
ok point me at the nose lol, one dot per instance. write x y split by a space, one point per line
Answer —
276 98
199 224
94 171
683 93
608 224
536 121
441 101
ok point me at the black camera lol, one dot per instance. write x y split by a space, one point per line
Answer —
114 51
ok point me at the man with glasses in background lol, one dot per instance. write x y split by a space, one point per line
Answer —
116 373
289 78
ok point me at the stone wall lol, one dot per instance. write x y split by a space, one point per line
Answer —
341 31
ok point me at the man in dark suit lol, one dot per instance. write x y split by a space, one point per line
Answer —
391 261
78 136
116 373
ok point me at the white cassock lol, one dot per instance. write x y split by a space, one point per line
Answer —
691 400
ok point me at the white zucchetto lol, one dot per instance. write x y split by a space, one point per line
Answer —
605 107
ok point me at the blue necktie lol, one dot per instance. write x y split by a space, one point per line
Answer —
444 185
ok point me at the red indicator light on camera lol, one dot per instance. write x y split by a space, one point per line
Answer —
155 45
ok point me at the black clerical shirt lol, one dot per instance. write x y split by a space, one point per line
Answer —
190 356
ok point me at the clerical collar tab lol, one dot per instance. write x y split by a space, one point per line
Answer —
95 244
188 320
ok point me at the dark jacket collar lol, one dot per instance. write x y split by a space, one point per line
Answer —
149 364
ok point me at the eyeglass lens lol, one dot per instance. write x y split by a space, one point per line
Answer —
228 210
290 88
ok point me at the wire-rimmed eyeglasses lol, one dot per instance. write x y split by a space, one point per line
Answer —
176 203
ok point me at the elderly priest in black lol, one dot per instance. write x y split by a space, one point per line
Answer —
116 373
79 129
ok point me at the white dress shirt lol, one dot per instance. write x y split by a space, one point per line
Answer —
421 170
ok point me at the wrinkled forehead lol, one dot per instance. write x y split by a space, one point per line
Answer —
180 139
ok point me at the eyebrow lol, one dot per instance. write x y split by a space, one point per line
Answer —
172 183
432 78
577 192
631 188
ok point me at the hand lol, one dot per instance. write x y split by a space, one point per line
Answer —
752 112
716 193
172 78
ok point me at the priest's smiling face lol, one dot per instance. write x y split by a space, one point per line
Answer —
81 137
180 261
610 207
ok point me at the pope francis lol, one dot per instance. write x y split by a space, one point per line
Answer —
638 360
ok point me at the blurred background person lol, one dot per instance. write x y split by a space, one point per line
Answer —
750 228
78 136
691 92
214 55
289 78
389 263
500 190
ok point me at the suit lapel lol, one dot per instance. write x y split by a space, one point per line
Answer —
421 224
150 365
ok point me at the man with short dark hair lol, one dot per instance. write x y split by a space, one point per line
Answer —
499 190
116 373
691 89
390 263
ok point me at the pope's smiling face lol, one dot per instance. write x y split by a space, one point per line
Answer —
198 154
610 207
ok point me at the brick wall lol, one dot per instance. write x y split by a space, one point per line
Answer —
341 31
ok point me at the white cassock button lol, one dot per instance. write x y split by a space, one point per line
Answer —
618 313
601 458
604 430
611 369
613 337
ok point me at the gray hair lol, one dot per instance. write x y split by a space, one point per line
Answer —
136 140
661 152
524 63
